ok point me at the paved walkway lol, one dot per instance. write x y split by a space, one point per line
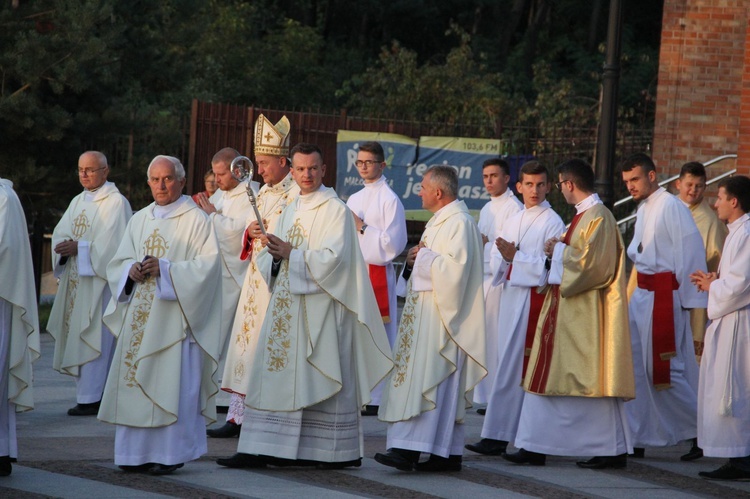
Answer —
63 456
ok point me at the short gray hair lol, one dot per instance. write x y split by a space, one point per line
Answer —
179 170
445 178
100 157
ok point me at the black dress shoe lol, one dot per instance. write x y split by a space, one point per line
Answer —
164 469
339 465
603 462
488 447
526 457
726 472
401 459
370 410
138 468
694 453
438 464
482 411
5 467
638 452
85 409
241 460
229 430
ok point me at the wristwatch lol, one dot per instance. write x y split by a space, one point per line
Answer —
362 229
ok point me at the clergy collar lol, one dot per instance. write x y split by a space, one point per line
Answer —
736 224
502 197
656 194
238 189
377 183
437 213
171 209
100 192
587 203
285 184
541 206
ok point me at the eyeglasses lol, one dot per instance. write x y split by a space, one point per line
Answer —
560 183
368 163
89 171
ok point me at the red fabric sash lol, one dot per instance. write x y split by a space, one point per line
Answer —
662 327
379 280
541 368
535 308
247 245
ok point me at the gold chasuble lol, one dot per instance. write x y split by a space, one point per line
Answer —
714 232
582 344
143 386
438 325
75 319
298 362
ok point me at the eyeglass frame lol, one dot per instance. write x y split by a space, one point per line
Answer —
90 171
560 183
367 162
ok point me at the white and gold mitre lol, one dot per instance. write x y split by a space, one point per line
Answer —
272 140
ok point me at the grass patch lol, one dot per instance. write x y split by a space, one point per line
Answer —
44 310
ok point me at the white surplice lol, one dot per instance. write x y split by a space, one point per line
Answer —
83 344
492 219
383 240
724 389
665 239
528 229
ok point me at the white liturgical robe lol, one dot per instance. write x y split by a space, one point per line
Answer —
19 324
383 240
724 390
665 240
439 356
83 345
492 219
528 229
325 347
160 386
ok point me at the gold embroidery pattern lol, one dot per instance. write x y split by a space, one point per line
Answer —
405 339
249 309
279 342
155 245
143 298
72 292
81 224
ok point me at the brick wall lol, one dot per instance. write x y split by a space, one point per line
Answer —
703 94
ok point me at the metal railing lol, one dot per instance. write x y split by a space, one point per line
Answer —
717 159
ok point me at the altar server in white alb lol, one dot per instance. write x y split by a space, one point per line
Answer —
666 248
502 205
324 347
439 356
379 217
83 243
166 281
228 209
724 390
19 323
279 189
518 267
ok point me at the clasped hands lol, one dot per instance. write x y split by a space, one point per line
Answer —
703 280
140 271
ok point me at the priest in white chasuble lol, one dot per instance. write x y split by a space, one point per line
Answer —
19 323
323 343
666 248
166 281
439 356
518 267
271 149
580 370
691 187
84 242
724 388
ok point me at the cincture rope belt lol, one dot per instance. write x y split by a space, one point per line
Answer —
662 329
